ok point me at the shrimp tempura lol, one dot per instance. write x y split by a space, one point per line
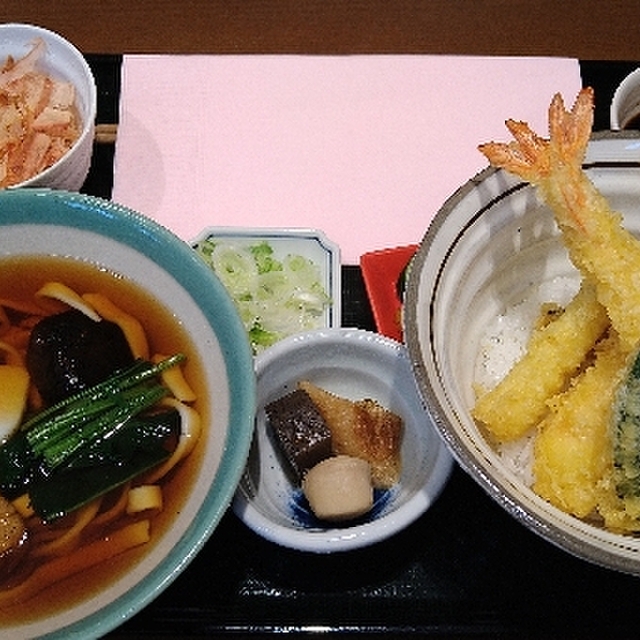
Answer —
606 254
554 355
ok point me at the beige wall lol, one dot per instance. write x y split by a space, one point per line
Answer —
587 29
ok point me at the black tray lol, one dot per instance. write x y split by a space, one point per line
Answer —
464 569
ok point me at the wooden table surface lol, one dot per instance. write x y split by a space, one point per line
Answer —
585 29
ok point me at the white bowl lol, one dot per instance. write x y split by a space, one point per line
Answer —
487 247
625 104
48 222
354 364
63 61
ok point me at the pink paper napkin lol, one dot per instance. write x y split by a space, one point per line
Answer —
366 148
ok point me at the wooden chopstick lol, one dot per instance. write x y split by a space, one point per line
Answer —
106 133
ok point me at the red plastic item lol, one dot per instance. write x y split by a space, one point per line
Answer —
381 271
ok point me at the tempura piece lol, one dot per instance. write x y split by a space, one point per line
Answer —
622 515
554 354
620 498
605 253
573 449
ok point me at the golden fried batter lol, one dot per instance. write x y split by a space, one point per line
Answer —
554 354
573 447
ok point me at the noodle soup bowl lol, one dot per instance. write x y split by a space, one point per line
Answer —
493 247
41 223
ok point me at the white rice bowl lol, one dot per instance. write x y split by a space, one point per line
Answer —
491 247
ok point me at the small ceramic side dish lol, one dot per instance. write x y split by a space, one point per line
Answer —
625 104
284 281
385 274
354 364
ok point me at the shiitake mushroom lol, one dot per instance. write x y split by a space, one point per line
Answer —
68 352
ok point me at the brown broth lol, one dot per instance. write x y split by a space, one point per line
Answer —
20 278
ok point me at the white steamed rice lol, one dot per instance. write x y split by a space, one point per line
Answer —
503 343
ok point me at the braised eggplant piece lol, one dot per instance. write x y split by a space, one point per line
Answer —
69 352
298 426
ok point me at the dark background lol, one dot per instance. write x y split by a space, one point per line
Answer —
465 569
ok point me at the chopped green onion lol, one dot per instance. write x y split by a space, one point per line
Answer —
274 297
53 438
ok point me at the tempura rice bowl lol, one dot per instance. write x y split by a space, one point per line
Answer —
52 222
490 247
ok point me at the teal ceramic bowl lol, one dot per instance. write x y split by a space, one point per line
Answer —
44 222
